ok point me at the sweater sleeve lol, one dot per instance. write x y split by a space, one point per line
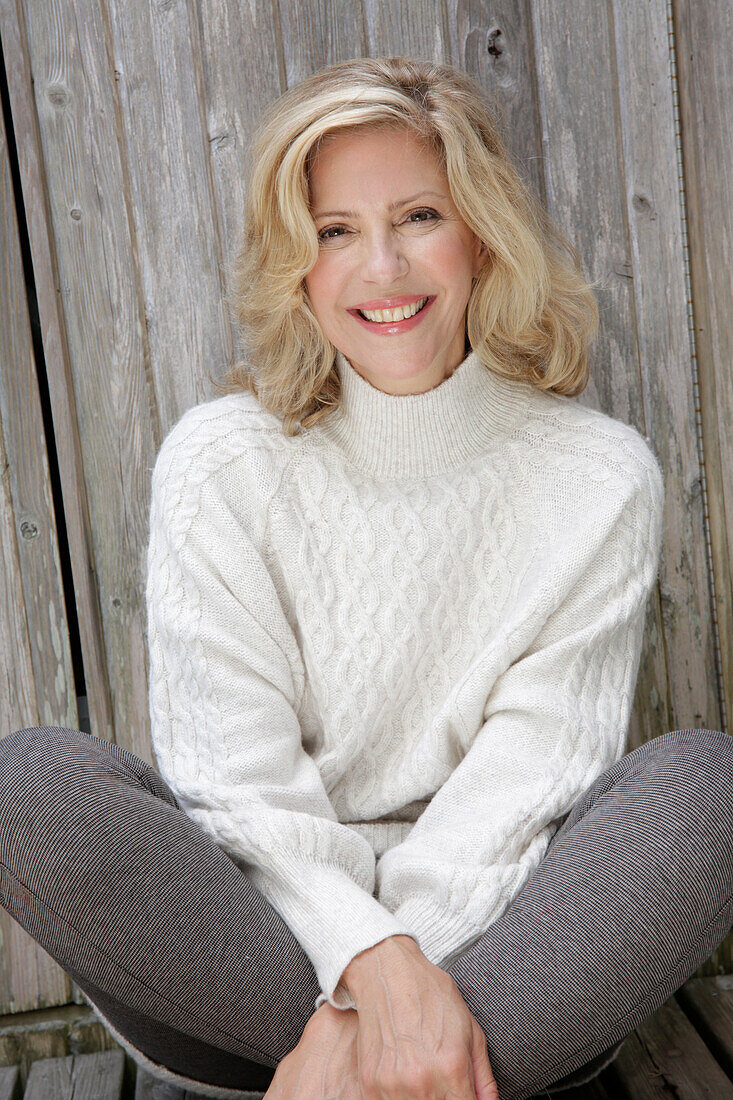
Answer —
553 721
224 686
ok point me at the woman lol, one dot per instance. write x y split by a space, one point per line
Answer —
397 583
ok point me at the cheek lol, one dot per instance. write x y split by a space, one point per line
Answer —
322 285
453 263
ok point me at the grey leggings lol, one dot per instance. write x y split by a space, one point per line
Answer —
187 959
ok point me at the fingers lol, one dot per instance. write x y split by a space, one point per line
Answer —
483 1077
416 1039
401 1069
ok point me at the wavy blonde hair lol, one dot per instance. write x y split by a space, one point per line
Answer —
531 314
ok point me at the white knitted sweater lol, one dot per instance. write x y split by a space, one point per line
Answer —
387 655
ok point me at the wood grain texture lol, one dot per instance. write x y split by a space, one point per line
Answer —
678 688
704 44
704 37
84 1077
36 680
35 658
665 1057
87 173
10 1084
582 158
34 186
26 1037
708 1003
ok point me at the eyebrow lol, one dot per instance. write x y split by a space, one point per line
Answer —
392 206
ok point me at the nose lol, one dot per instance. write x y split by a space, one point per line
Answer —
384 261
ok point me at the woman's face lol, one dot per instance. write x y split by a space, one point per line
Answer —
388 230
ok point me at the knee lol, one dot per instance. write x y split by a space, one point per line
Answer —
23 752
35 764
700 746
36 746
698 763
48 770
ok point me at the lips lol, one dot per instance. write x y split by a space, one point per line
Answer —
393 327
391 303
362 310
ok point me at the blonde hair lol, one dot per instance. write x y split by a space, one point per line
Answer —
531 315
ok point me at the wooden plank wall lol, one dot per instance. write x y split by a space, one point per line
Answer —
132 124
36 681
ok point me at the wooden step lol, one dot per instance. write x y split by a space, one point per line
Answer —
10 1083
78 1077
683 1052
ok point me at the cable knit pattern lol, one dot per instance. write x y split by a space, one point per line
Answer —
387 655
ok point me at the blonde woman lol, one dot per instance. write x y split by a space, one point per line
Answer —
396 847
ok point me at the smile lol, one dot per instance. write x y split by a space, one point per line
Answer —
387 326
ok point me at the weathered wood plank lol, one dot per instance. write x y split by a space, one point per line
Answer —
634 1074
708 1002
493 42
41 681
703 49
26 1037
586 195
85 1077
704 37
243 70
158 80
412 28
19 67
99 1076
36 684
678 682
319 33
10 1088
50 1079
665 1057
88 200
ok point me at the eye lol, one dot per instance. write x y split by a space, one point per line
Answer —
432 215
322 235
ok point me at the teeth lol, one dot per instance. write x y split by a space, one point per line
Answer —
398 314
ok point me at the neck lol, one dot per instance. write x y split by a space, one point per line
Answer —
416 435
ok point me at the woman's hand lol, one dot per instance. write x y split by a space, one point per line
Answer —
323 1066
416 1037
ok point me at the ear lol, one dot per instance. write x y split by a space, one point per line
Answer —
481 254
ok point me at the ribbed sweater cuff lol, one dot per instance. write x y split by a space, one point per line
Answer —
440 933
331 916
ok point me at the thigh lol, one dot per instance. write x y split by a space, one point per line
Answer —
632 896
140 906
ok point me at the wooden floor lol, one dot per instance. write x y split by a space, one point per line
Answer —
683 1052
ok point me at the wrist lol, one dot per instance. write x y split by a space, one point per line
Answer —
359 972
327 1016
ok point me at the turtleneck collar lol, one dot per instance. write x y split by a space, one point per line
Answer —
417 435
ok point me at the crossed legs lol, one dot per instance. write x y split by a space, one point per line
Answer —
187 959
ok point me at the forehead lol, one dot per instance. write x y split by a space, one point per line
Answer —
363 156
